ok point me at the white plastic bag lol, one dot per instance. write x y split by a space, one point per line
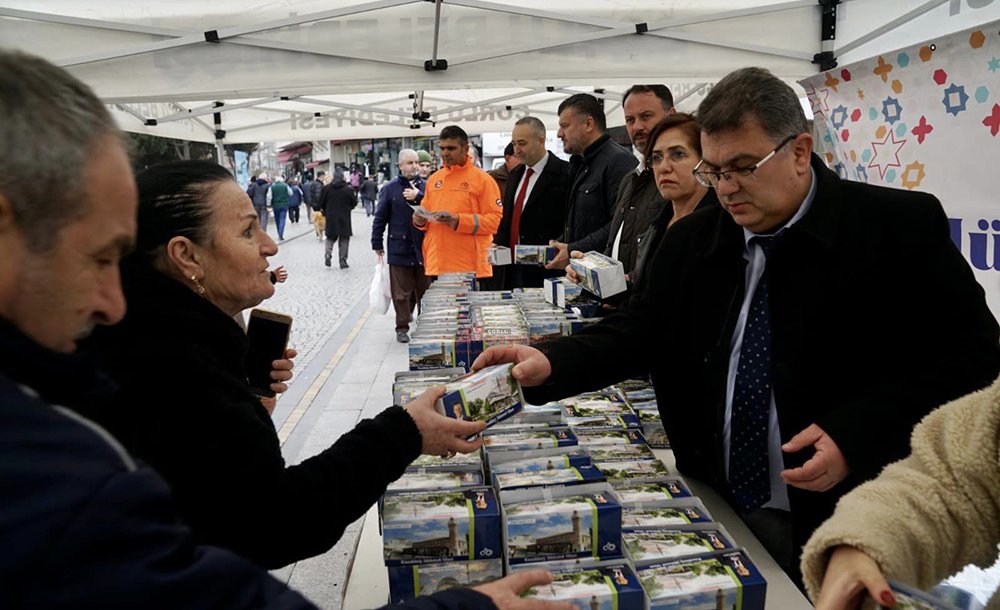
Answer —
379 295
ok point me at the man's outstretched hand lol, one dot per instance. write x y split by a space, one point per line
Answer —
531 366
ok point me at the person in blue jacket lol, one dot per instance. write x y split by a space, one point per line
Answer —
84 524
394 211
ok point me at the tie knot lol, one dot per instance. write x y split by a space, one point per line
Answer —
527 174
766 242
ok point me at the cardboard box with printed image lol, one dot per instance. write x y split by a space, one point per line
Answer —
599 274
573 475
409 581
490 395
430 526
504 462
608 585
633 493
589 438
729 580
634 471
429 480
656 545
561 523
528 439
499 256
665 514
526 254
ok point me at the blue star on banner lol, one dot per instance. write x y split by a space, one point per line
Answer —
955 99
862 173
839 116
840 169
993 64
891 110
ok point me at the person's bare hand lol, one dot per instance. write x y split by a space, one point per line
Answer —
440 435
410 193
572 275
824 469
531 366
506 592
562 256
280 274
380 254
849 575
281 371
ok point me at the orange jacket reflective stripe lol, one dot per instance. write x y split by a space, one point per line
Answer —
472 195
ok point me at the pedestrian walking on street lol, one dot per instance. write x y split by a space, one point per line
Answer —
337 201
407 280
369 191
278 197
294 201
316 203
258 191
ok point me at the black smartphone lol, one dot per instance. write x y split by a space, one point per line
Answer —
267 333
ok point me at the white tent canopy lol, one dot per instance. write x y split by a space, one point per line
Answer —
338 69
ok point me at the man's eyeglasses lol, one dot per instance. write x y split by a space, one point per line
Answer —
712 179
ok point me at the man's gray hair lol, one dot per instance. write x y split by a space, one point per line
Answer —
752 93
536 125
406 152
51 124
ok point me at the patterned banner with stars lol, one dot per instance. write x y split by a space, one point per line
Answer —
927 118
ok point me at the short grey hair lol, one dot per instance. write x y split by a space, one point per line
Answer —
752 93
406 152
50 121
536 124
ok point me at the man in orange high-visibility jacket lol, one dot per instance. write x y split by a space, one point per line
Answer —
463 210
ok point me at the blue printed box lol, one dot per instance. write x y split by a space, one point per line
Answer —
647 546
604 587
665 514
639 493
561 523
525 254
729 581
599 274
503 462
429 526
529 439
574 475
407 582
490 395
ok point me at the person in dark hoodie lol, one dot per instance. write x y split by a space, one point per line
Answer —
336 202
258 191
84 524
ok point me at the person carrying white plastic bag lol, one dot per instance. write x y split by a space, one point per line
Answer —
379 294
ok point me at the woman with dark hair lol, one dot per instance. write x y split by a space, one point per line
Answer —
674 149
185 406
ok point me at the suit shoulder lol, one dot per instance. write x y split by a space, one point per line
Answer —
874 201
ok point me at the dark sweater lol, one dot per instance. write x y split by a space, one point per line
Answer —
185 407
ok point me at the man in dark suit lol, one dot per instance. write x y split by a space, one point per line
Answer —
795 334
534 204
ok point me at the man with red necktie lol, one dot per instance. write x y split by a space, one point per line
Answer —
534 203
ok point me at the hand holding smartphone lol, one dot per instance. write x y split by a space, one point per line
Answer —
267 334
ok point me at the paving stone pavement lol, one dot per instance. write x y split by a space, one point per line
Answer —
327 305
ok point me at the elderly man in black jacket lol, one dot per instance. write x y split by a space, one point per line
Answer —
336 202
795 334
83 524
596 169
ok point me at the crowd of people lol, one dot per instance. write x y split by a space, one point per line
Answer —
791 356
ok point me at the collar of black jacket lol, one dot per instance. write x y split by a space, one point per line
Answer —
819 224
597 144
63 379
165 315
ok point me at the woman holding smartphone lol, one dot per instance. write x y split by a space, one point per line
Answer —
185 405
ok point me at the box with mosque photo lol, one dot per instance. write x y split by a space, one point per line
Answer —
665 514
608 586
428 526
425 480
431 352
591 407
656 435
537 460
651 545
646 493
599 274
499 256
573 475
625 421
489 395
707 582
596 438
618 453
567 293
561 523
409 581
528 439
458 462
525 254
634 471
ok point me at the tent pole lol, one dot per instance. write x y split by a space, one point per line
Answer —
220 150
437 32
